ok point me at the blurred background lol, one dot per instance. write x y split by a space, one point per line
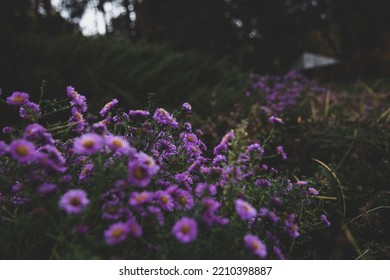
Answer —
186 49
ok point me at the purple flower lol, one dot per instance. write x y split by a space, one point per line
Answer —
18 98
108 107
255 245
47 188
245 210
263 183
223 145
185 230
29 111
74 201
118 144
190 139
163 117
187 107
301 183
116 233
112 210
141 169
140 113
184 200
164 200
77 100
313 191
325 220
280 151
78 120
255 149
291 227
274 119
135 229
3 148
88 144
37 133
86 171
49 157
23 151
137 199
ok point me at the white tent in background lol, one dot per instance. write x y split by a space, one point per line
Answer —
310 61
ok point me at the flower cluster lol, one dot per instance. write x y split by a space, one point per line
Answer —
281 93
145 174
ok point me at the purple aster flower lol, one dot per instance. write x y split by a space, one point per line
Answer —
165 147
78 120
47 188
263 183
163 117
187 126
291 227
112 210
108 107
17 187
210 204
140 113
116 233
23 151
137 199
164 200
8 130
187 107
37 133
74 201
278 252
86 171
218 159
280 151
3 148
49 157
189 139
88 144
245 210
313 191
141 169
18 98
325 220
184 200
118 144
255 245
255 149
223 145
29 111
77 100
274 119
135 229
185 230
301 183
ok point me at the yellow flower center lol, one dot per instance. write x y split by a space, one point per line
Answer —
22 151
117 143
18 99
117 232
88 143
182 200
191 138
140 172
185 229
164 199
75 201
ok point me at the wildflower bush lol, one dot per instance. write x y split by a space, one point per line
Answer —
141 184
